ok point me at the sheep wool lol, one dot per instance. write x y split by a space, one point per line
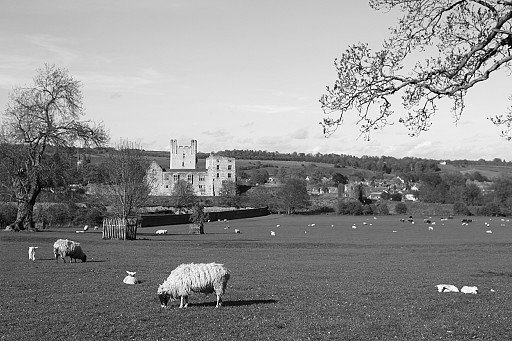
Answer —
189 278
66 247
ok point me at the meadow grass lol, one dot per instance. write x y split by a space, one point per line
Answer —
323 282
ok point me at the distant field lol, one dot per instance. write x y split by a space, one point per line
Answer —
323 282
489 172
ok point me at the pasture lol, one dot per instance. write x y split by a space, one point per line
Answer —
323 282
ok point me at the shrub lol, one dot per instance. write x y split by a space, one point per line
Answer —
58 214
350 207
401 208
383 208
460 208
8 214
491 209
367 210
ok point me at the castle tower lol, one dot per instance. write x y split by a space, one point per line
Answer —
183 157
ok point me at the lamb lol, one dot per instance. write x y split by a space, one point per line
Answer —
447 288
469 290
189 278
66 247
32 252
161 232
131 279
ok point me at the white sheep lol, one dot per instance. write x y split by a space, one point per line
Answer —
86 227
237 231
430 228
189 278
161 232
32 252
469 290
447 288
131 279
272 233
66 247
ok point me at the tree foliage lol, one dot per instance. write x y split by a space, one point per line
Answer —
183 194
293 195
468 40
39 120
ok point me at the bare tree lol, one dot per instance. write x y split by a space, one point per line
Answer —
38 117
468 41
128 183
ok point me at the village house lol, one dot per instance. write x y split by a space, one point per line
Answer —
206 178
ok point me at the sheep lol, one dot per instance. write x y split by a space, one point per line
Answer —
32 252
237 231
430 228
86 227
161 232
66 247
131 279
469 290
189 278
272 233
447 288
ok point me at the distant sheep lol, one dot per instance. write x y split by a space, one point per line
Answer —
161 232
469 290
272 233
66 247
32 252
189 278
237 231
447 288
131 279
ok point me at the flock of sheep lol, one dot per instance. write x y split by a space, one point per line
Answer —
186 279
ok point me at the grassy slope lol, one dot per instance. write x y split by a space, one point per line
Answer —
331 283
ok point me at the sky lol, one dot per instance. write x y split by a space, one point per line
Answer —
231 74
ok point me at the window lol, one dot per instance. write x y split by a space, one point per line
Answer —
218 167
201 177
176 177
166 177
190 178
229 175
229 167
217 175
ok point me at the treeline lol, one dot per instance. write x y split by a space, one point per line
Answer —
385 164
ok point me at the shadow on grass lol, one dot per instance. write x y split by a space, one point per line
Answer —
493 274
233 303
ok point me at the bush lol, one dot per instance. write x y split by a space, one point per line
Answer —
350 207
8 214
460 208
58 214
401 208
491 210
383 209
367 209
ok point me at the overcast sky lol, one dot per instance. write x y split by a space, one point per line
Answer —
232 74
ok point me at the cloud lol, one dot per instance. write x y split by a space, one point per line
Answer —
267 108
54 45
300 134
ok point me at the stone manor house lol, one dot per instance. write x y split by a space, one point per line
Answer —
184 165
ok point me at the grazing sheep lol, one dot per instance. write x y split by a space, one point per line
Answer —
32 252
272 233
488 231
131 279
447 288
161 232
237 231
469 290
189 278
66 247
86 227
430 228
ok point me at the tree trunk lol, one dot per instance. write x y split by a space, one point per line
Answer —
26 193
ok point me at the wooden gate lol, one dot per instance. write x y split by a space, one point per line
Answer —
120 228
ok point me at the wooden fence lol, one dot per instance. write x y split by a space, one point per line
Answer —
120 228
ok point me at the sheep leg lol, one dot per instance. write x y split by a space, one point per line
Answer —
181 301
186 301
219 301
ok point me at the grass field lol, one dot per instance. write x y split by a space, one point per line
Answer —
331 283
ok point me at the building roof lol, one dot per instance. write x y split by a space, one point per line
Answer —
164 164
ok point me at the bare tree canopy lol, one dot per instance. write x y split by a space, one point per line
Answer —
467 40
128 184
46 113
